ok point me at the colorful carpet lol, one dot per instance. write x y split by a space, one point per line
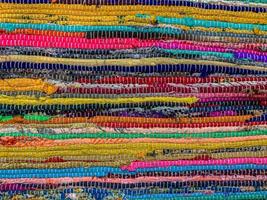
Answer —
133 99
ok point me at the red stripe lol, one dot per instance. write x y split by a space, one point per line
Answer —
164 80
196 125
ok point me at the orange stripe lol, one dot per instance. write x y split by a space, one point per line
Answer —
182 120
136 120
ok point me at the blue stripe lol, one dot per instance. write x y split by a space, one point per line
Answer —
104 171
192 68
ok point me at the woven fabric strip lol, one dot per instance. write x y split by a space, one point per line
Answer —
133 99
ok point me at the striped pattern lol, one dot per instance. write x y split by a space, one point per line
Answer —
133 99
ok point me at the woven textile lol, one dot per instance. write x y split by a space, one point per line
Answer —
133 99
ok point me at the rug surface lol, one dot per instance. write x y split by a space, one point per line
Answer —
133 99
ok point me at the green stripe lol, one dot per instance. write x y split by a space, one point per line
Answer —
37 117
137 135
5 118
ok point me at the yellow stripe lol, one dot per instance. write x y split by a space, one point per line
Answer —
49 165
119 161
88 10
92 23
129 18
28 100
26 84
111 149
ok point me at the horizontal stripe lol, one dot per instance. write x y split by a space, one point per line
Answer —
238 105
173 31
129 17
154 80
71 28
127 62
107 119
93 10
112 149
241 5
27 100
94 187
32 142
161 20
136 135
205 69
132 180
84 128
208 23
170 125
105 160
201 196
229 35
169 52
141 120
164 90
25 84
104 171
148 164
123 43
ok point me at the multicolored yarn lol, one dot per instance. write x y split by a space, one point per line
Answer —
133 99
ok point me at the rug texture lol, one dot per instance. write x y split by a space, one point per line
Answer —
133 99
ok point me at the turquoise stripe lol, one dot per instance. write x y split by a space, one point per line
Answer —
195 196
187 21
144 29
78 28
201 53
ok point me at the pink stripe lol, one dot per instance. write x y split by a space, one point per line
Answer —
167 80
223 113
219 95
110 43
134 41
205 95
226 99
166 163
252 46
128 180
